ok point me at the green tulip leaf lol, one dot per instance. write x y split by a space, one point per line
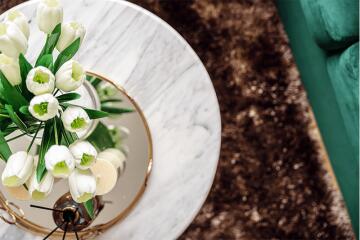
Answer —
89 206
25 68
50 43
25 110
115 110
93 80
111 100
68 97
5 151
15 118
47 141
96 114
101 137
67 54
46 61
12 96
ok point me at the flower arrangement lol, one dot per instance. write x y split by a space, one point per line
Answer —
36 101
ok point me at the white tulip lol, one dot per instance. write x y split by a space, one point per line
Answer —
75 119
44 107
70 76
18 169
11 69
40 80
115 156
12 40
85 154
20 20
49 14
82 185
59 161
39 191
69 33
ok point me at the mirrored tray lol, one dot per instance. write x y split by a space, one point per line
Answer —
130 185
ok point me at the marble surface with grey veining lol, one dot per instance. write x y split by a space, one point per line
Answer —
163 74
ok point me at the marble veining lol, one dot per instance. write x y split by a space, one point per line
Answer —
162 73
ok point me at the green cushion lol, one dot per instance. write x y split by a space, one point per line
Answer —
344 75
334 23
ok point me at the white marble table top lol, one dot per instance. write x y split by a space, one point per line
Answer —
163 74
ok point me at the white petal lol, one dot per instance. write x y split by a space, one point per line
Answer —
69 33
20 166
40 80
20 20
75 114
12 40
11 69
49 14
70 76
52 107
59 155
40 191
81 150
82 185
115 156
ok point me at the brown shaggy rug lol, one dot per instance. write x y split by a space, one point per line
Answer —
271 181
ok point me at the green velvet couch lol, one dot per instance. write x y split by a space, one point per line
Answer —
324 37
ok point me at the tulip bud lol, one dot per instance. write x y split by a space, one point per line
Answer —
18 169
75 119
59 161
69 33
20 20
82 185
11 69
44 107
40 80
85 154
12 40
49 14
70 76
39 191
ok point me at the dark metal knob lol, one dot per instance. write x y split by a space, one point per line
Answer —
73 216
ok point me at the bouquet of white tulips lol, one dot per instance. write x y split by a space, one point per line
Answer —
36 99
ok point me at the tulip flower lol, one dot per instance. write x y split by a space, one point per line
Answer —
69 33
82 185
85 154
11 69
12 40
118 135
49 14
106 91
18 169
39 191
44 107
59 161
115 156
20 20
75 119
40 80
70 76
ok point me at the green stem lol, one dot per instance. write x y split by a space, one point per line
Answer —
32 141
3 115
14 138
56 133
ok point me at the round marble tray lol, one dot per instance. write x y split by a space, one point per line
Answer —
161 72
